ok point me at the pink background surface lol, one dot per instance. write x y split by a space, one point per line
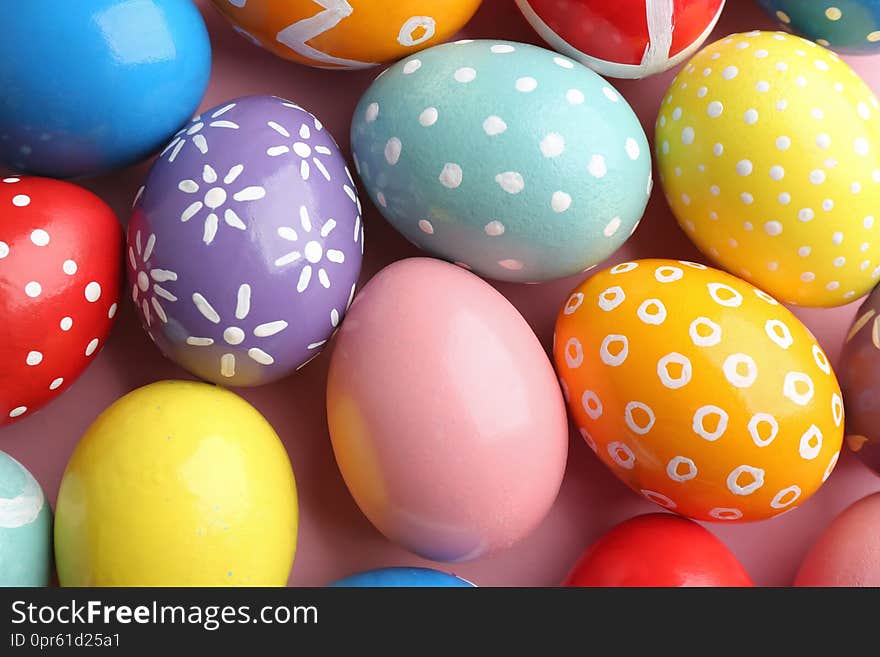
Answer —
335 539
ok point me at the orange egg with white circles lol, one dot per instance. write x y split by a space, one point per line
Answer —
698 390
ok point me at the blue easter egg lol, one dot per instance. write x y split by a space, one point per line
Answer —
508 159
94 85
402 577
848 26
25 527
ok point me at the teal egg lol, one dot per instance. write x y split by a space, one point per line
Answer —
25 527
508 159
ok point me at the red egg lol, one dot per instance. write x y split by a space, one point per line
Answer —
658 549
60 268
624 38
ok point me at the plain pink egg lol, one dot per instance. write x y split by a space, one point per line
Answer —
848 551
446 417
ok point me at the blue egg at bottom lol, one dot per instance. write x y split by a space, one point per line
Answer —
25 527
402 578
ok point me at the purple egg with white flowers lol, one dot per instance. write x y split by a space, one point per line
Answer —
245 243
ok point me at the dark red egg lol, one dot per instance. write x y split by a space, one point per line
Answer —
60 273
658 549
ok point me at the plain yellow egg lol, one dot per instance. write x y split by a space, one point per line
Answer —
177 484
769 154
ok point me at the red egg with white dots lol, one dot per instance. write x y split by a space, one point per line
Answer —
624 38
60 274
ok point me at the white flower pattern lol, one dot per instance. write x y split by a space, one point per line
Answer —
313 250
147 289
301 149
196 132
234 335
216 197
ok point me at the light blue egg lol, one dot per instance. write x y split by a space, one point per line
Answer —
94 85
402 577
509 159
25 527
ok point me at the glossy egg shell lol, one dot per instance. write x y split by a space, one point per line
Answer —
177 484
346 34
60 272
510 159
627 38
847 553
245 243
769 154
403 577
658 550
97 84
446 419
859 372
25 527
698 390
848 26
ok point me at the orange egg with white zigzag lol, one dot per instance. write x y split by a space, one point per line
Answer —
698 390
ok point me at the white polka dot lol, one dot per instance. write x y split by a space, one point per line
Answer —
781 105
777 172
621 455
611 298
744 168
783 143
19 410
806 214
393 147
747 198
855 188
494 228
574 353
451 176
564 63
553 145
833 13
11 180
687 135
33 289
730 72
560 202
658 498
111 312
779 333
465 75
724 295
762 86
611 227
674 469
862 109
380 198
502 49
798 387
810 443
630 417
622 344
751 116
40 237
773 228
597 166
808 277
862 147
718 150
4 250
526 84
372 112
652 311
428 117
724 513
21 200
822 66
574 96
69 267
682 366
817 176
610 94
66 323
623 268
90 348
632 148
34 358
788 496
759 437
494 125
426 226
699 422
511 182
93 292
667 274
511 264
412 66
701 92
756 476
740 370
574 302
715 109
704 332
56 383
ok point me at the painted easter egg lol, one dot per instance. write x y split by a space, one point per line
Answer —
847 553
769 152
848 26
658 549
477 153
463 454
699 391
627 38
403 577
60 272
98 84
245 243
202 494
859 372
25 527
346 34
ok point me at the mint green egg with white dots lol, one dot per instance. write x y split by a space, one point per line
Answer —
25 527
510 160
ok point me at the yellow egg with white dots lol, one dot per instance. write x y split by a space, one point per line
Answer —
769 153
